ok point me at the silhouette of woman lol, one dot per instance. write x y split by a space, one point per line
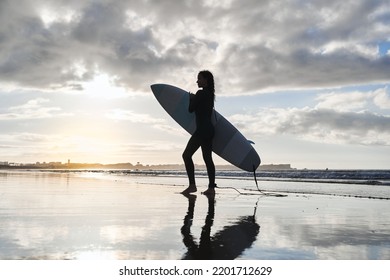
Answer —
202 104
226 244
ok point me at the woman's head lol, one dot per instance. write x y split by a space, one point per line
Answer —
206 80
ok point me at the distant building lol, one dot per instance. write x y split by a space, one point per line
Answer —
275 167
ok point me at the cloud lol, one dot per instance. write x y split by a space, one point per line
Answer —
30 145
338 118
131 116
126 115
382 98
250 46
27 139
354 101
342 102
33 109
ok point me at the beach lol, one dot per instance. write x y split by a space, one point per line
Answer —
76 215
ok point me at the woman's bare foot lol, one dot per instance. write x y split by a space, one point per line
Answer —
190 189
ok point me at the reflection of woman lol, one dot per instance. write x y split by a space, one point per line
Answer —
203 251
202 104
226 244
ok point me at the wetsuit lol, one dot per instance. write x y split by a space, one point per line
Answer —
202 105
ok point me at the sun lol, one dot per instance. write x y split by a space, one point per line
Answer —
103 86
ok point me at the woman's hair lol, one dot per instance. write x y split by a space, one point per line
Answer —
210 80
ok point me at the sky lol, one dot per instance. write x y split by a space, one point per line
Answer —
307 81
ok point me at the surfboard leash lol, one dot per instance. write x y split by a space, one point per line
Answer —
262 192
257 185
254 175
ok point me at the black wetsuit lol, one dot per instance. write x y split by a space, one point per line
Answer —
202 105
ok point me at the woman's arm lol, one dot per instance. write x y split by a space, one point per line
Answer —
194 101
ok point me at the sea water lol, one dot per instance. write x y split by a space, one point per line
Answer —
117 214
354 183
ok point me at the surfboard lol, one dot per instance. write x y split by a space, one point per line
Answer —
228 142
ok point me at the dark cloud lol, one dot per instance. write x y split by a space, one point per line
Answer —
329 120
253 45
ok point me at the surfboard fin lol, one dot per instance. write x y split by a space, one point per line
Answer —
250 141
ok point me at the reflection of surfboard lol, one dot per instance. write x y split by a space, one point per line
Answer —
228 142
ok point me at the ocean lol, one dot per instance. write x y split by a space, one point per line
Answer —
141 215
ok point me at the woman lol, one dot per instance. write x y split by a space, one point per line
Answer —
202 104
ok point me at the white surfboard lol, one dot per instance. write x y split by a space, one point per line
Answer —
228 142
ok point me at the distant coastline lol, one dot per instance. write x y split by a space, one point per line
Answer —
128 166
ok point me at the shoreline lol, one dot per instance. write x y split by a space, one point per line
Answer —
311 176
372 189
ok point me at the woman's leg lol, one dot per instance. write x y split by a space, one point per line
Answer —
192 146
208 159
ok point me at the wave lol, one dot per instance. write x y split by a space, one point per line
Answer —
367 177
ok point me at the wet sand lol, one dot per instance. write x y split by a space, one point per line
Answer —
86 215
